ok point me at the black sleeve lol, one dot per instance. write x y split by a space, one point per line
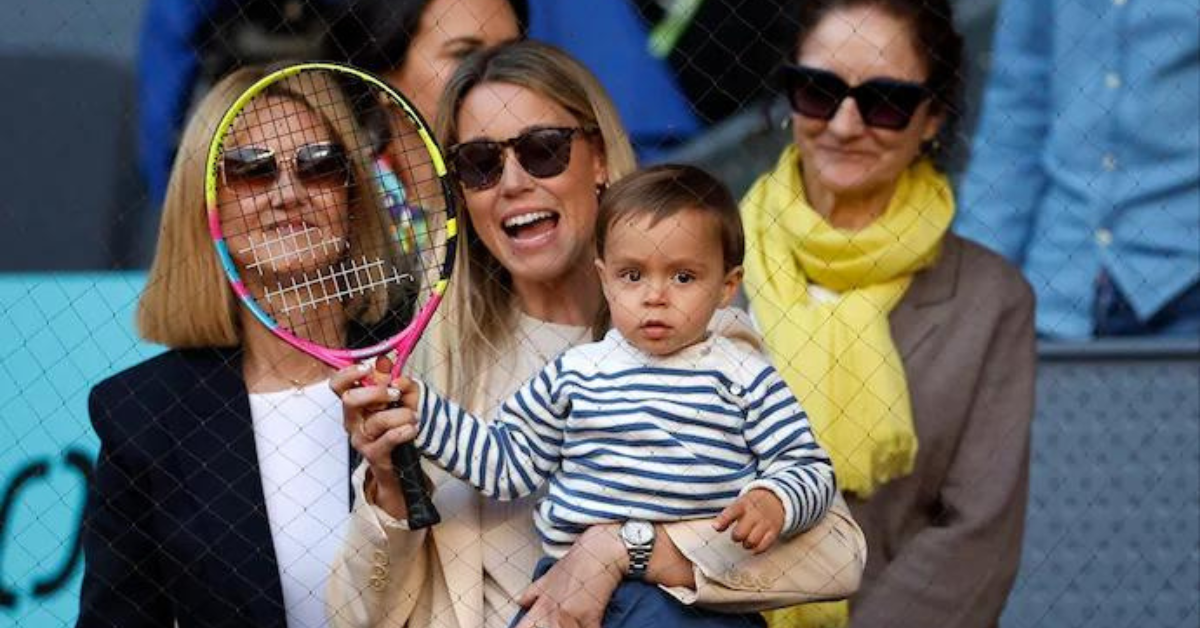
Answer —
122 580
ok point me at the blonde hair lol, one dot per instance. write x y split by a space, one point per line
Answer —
481 312
176 308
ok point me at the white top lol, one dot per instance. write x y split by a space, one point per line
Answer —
619 434
303 456
821 294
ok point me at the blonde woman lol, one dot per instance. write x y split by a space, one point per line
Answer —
911 349
197 515
534 139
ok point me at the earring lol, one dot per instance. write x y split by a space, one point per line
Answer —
600 187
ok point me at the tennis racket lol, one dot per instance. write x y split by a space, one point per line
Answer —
333 217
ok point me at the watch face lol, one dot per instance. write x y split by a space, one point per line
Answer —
638 532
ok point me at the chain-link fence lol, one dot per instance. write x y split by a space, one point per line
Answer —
224 499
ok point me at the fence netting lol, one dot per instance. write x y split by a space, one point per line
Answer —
944 255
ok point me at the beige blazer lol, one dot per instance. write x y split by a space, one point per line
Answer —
390 576
944 542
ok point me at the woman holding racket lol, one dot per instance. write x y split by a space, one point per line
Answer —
222 485
534 140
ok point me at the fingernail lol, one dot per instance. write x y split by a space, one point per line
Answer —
393 393
364 367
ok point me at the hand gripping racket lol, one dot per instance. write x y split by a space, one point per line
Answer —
333 217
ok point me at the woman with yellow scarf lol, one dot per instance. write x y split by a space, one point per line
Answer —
911 349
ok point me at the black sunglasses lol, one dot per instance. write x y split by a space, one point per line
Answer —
317 165
543 152
883 103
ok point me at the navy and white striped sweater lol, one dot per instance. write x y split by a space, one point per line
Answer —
623 435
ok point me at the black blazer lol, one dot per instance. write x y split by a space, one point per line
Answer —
176 526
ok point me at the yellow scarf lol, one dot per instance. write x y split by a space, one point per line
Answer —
837 354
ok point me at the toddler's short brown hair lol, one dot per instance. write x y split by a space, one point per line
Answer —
665 190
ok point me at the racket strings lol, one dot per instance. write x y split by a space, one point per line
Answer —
359 278
292 243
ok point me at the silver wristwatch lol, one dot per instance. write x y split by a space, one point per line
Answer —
638 537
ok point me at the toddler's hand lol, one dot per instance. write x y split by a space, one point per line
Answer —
376 427
759 516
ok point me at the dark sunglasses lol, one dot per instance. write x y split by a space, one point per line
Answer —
883 103
543 152
317 165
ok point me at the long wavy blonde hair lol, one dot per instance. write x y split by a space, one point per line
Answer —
480 312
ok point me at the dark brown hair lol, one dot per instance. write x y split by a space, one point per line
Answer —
375 34
935 37
665 190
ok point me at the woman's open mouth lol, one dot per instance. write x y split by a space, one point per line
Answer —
530 225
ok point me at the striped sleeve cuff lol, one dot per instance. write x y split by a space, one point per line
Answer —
427 424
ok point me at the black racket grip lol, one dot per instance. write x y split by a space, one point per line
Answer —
406 461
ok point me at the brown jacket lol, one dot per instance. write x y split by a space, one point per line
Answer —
944 542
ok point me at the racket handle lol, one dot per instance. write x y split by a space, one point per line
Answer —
421 511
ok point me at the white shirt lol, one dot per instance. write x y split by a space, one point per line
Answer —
303 457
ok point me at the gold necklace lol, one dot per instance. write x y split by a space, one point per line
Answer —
307 380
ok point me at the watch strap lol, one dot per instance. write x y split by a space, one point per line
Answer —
639 561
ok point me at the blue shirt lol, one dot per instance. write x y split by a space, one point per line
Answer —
610 39
1087 157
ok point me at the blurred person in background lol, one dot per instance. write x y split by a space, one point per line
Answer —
1085 169
416 45
187 45
911 349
